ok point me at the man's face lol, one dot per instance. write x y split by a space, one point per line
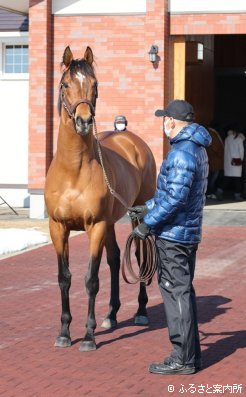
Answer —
168 122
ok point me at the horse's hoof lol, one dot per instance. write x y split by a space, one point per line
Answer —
109 324
62 341
87 346
141 320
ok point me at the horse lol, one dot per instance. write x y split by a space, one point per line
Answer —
89 185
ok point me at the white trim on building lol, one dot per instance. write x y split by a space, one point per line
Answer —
208 6
98 7
21 6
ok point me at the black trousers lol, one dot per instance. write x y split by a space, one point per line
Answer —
175 272
234 182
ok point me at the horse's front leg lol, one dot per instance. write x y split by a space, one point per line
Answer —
59 236
96 236
113 259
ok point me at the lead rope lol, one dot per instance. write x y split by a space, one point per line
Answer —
112 191
147 267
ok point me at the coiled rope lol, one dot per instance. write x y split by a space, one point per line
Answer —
147 262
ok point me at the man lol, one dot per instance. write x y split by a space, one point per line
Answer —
174 217
120 123
216 165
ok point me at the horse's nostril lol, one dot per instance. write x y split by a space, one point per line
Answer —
79 121
89 120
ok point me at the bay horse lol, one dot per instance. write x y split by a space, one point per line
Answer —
78 197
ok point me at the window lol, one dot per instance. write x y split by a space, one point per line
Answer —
16 59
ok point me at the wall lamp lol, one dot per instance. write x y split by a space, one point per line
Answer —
153 53
194 52
200 52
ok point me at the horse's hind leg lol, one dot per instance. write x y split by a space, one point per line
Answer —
60 240
141 317
113 259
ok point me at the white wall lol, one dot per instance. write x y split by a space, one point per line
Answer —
13 130
208 6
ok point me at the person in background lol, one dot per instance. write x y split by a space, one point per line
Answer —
244 168
216 164
174 217
233 160
120 123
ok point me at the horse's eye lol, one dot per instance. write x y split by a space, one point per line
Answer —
65 85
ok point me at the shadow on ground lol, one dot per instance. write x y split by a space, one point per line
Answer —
209 308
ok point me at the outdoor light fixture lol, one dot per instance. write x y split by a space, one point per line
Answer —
199 51
153 53
194 52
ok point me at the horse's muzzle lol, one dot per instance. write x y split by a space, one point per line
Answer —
83 127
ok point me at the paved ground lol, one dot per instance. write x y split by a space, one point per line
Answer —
30 312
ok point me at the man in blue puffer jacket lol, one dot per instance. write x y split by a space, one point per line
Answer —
174 217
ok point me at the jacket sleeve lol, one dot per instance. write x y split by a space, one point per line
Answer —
174 188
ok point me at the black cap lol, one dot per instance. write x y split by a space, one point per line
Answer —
120 119
178 109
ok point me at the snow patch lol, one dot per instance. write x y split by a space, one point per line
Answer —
12 240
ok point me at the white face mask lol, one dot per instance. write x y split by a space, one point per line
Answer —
120 126
167 130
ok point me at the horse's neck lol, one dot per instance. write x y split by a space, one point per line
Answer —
74 150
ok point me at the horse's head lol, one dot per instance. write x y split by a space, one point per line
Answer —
78 90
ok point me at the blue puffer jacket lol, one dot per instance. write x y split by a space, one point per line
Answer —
175 212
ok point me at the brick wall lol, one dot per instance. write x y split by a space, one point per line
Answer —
128 83
208 24
40 92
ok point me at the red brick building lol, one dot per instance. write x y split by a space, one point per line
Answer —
121 34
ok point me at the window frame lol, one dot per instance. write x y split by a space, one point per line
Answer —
12 39
17 57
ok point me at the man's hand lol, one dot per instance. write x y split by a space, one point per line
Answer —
141 231
137 212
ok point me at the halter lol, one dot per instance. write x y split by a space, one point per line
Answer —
72 108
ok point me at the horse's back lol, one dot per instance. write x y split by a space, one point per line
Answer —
133 151
130 146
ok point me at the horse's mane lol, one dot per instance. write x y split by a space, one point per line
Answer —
77 65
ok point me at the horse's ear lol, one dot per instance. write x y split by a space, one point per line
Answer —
89 55
67 57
